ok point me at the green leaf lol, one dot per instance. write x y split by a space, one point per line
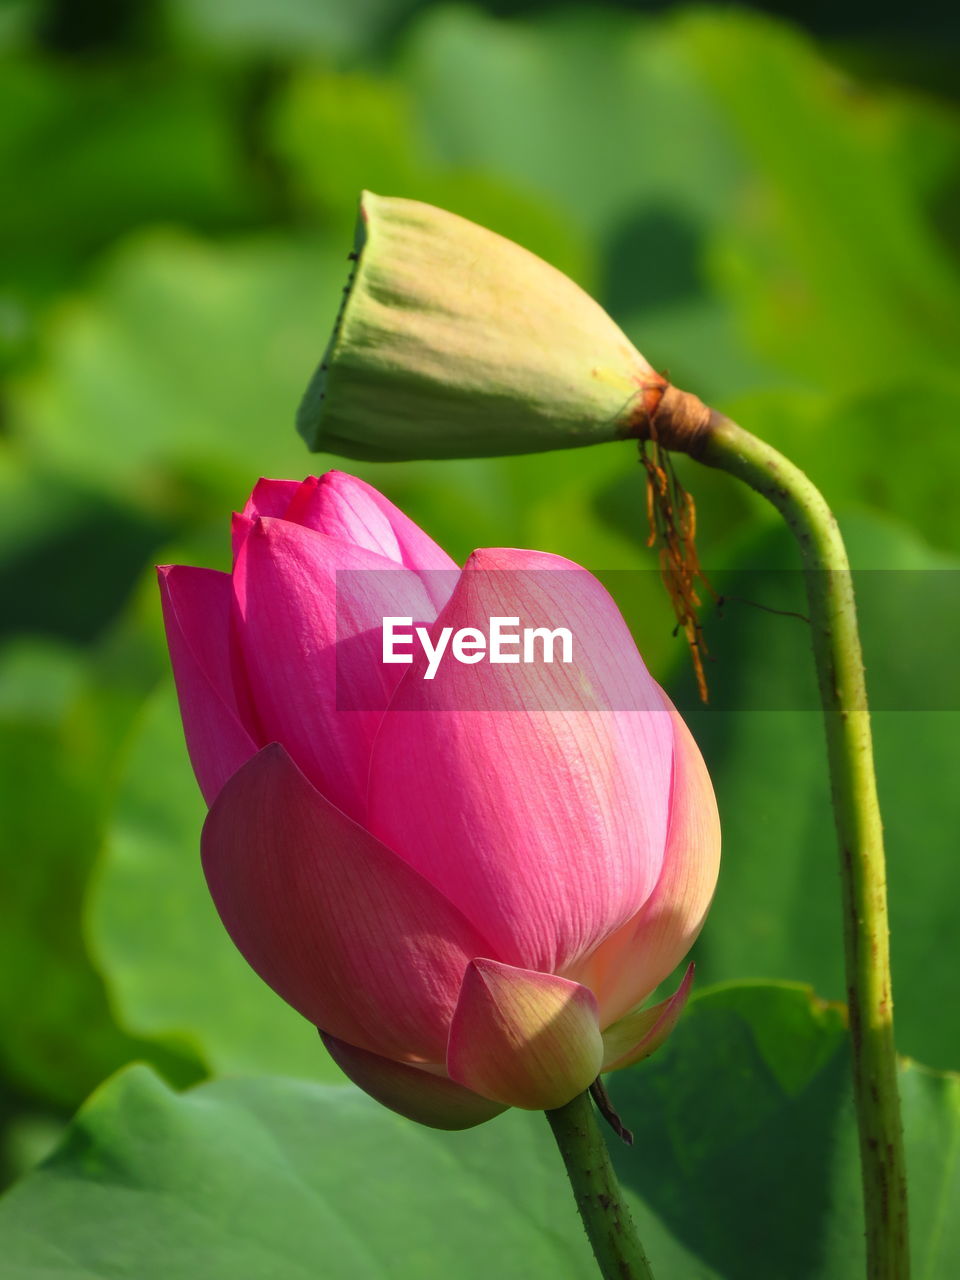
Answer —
837 266
51 784
594 152
204 349
856 446
651 197
745 1164
49 525
745 1147
255 1179
98 147
171 970
282 28
777 909
17 19
764 221
374 141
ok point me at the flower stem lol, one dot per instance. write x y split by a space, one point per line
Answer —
836 648
603 1210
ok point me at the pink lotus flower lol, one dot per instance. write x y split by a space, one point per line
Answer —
471 883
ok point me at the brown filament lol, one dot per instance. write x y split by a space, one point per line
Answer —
672 516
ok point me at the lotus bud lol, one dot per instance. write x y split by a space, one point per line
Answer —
472 880
455 342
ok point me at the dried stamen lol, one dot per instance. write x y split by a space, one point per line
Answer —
672 516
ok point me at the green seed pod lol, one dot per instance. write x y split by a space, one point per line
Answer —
453 342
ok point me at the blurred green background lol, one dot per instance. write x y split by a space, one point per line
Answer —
767 203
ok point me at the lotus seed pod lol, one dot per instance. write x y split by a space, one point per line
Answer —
455 342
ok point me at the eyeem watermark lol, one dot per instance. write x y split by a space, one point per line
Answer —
503 642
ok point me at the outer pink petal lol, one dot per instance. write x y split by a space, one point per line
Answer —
636 959
524 1039
310 612
196 613
339 926
420 1095
534 796
344 507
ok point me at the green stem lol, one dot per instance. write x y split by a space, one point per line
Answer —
604 1212
836 647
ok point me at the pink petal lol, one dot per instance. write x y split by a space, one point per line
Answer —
416 1093
310 612
417 549
339 506
334 922
270 498
522 1038
639 1034
240 526
633 961
196 614
344 507
535 796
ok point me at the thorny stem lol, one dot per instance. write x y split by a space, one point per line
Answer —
836 647
606 1218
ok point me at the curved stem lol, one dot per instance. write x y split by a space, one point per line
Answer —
606 1218
836 647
